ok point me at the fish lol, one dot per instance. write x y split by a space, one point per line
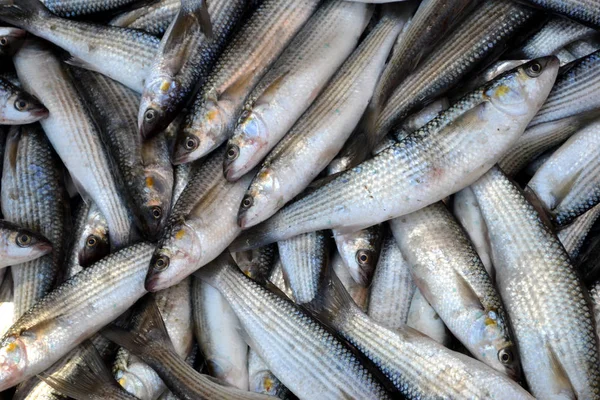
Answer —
293 83
585 11
573 235
247 57
418 366
175 305
321 132
192 241
528 262
393 288
284 336
154 18
216 330
34 197
188 51
75 137
395 182
19 245
303 258
63 319
360 252
145 166
17 107
10 40
153 346
478 36
450 275
566 185
90 242
122 54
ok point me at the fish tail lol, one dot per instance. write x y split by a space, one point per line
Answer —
91 378
23 13
332 303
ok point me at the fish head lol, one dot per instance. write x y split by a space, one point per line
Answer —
156 203
13 360
179 248
10 40
156 105
25 245
522 91
244 148
201 133
359 250
262 199
95 242
134 380
23 108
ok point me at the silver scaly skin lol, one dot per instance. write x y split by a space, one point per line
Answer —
181 177
303 259
258 264
186 55
568 183
216 328
73 312
443 157
485 30
122 54
543 295
19 245
323 129
419 367
75 136
307 359
450 275
145 166
34 196
293 83
573 236
585 11
247 57
584 47
76 8
154 18
18 107
392 289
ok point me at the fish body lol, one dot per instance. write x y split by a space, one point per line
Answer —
573 236
585 11
154 18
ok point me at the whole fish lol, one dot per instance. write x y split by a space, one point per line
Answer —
419 367
286 338
482 33
293 83
74 136
153 346
543 295
34 196
18 107
89 241
122 54
145 167
423 318
19 245
585 11
573 236
10 40
252 50
192 241
175 305
322 130
187 53
303 259
216 328
154 18
393 287
422 169
450 275
73 312
567 185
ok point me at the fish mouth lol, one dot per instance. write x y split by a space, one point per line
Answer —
152 283
45 247
39 112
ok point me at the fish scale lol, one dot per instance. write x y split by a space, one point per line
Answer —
34 195
154 19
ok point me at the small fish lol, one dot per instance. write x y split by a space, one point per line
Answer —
19 245
18 107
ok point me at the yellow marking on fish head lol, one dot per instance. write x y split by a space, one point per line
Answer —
180 234
212 114
268 384
149 182
122 382
490 322
164 86
502 90
11 347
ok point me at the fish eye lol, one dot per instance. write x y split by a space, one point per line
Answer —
505 356
233 152
161 263
24 240
363 257
190 143
20 104
149 115
156 212
247 201
3 41
91 241
535 69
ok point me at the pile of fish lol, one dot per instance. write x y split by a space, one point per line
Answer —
299 199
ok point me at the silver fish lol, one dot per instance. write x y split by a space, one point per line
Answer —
573 236
542 293
585 11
